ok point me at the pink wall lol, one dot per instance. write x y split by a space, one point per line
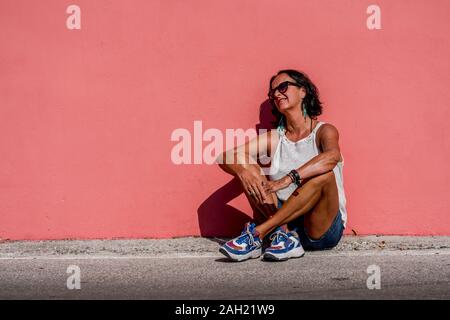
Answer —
86 116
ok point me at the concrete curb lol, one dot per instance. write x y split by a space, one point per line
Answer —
198 246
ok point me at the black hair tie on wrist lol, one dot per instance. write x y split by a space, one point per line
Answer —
297 179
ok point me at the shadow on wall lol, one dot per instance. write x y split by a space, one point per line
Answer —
216 217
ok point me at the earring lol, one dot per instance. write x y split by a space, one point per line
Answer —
304 111
281 123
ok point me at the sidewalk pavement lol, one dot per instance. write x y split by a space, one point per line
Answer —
369 267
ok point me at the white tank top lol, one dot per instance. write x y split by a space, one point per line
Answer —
292 155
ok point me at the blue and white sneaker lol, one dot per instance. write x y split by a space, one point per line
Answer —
266 242
284 246
246 246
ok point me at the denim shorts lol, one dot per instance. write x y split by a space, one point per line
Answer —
330 238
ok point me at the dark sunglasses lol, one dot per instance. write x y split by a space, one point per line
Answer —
282 88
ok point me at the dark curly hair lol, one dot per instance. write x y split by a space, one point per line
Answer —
311 101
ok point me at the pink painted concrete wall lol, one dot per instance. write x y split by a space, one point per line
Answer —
86 116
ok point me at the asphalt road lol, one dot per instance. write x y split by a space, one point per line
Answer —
410 274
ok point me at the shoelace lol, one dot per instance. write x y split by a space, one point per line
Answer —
250 236
279 234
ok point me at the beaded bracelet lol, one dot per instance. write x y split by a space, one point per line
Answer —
294 174
291 175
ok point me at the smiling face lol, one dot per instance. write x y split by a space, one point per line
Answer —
293 96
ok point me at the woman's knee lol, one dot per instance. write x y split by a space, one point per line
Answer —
257 169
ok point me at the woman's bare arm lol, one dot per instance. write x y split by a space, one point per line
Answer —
242 163
328 138
235 160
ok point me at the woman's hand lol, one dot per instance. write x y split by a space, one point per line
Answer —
274 186
253 184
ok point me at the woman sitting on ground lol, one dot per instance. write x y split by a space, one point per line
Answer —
301 196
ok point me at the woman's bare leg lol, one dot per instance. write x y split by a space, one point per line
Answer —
317 199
